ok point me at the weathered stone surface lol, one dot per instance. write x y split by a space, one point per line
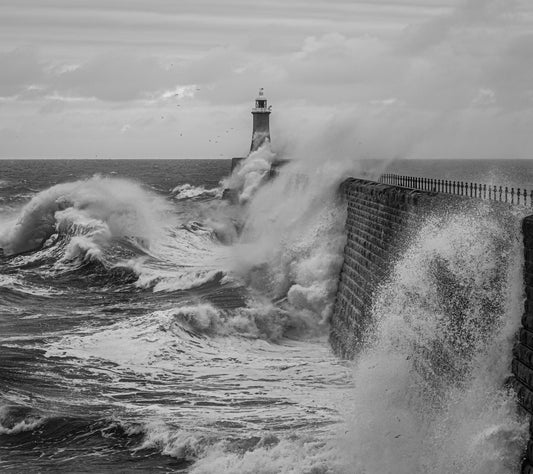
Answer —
379 215
379 218
522 365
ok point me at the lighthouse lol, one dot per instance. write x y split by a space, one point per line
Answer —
261 126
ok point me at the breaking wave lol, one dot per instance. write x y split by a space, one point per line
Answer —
114 226
188 191
93 212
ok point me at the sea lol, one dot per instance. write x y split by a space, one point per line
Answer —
147 324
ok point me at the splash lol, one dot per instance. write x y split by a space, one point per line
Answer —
430 393
17 419
96 210
289 249
188 191
247 178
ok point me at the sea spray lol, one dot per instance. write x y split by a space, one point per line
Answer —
430 394
123 207
251 174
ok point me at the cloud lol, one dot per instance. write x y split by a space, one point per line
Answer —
393 76
20 69
116 76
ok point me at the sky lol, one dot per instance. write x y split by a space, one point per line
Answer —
177 78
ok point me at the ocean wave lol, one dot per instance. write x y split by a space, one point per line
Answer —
185 279
19 285
267 454
179 444
250 453
18 419
96 210
162 340
188 191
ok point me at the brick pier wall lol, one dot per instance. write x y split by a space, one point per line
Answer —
380 218
523 351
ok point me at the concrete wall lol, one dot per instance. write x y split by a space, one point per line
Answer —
379 216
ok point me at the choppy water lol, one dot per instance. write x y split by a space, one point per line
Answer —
146 325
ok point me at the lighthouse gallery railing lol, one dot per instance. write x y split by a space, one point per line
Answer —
460 188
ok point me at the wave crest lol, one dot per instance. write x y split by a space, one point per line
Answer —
99 209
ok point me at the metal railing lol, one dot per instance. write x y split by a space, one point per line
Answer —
461 188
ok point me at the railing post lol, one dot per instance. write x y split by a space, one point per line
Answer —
506 194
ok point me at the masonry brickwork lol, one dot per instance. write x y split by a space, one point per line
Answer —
380 219
522 364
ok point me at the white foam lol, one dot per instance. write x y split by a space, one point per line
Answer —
188 191
102 207
430 394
